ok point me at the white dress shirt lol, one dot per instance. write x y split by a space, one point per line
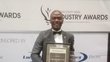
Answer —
58 37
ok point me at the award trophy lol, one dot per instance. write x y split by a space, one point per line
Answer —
57 52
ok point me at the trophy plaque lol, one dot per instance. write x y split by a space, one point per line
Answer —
57 52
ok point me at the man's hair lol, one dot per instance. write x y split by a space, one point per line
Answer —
56 11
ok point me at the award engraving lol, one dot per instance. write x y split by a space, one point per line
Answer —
57 52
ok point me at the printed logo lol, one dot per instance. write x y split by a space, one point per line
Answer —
45 13
83 57
27 57
80 57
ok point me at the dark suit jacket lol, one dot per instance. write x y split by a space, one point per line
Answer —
47 37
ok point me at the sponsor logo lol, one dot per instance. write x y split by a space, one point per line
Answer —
11 40
81 56
27 57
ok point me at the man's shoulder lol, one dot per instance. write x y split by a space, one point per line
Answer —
48 30
68 33
45 31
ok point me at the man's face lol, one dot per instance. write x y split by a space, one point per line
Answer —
56 20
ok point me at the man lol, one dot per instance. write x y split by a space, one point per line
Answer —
51 36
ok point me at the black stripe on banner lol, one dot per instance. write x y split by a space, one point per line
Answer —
108 58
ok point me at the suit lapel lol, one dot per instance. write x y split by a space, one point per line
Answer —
51 37
64 37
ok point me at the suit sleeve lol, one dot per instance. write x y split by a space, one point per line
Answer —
71 40
35 55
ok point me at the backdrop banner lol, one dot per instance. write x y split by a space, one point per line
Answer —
22 20
89 47
23 15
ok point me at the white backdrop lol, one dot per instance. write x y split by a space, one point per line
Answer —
16 47
20 16
25 15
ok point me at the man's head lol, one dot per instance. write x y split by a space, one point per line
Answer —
56 20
